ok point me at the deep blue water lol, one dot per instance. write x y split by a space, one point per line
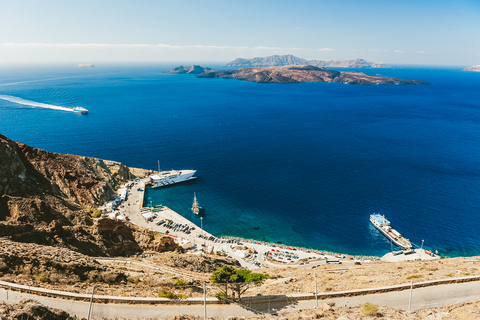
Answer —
302 164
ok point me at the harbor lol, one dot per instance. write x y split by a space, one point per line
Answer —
251 254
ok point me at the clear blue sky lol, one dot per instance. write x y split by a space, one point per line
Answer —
395 32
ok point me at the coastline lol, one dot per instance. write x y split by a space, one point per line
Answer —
137 197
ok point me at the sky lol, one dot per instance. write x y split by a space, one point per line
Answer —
391 31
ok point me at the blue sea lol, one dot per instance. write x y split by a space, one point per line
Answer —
300 164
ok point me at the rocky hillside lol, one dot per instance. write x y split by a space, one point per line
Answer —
473 68
32 310
276 60
295 74
44 195
189 69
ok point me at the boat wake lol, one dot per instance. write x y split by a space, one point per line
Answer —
33 103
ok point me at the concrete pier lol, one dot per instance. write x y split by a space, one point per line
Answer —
418 254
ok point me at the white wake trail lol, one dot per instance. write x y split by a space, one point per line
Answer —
33 103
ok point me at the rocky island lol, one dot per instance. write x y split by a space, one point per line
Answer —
473 68
189 69
304 73
284 60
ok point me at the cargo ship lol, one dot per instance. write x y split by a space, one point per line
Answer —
383 225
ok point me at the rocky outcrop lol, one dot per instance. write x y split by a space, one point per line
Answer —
26 171
295 74
189 69
276 60
118 238
196 263
473 68
32 259
32 310
44 195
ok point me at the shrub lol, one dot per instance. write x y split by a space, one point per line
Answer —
42 277
171 295
449 275
96 213
92 275
415 276
221 295
369 309
134 280
111 277
180 283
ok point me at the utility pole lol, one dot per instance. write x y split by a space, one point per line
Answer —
204 302
316 298
91 301
410 301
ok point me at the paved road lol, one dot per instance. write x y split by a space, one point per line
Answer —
423 298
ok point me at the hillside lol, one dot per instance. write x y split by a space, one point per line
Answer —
276 60
304 73
44 198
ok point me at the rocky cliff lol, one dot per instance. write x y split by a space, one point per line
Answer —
295 74
473 68
189 69
43 200
276 60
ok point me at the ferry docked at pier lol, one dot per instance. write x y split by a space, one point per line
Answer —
80 110
167 178
383 225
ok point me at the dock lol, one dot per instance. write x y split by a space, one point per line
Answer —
132 208
417 254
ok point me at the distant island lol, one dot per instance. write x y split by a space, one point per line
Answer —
189 69
304 73
86 65
276 60
473 68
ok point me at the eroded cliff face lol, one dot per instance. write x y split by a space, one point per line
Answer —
118 238
43 200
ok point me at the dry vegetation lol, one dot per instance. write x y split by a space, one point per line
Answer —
375 274
30 309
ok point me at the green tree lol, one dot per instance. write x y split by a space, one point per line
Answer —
239 279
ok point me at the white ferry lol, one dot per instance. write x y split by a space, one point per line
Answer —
80 110
167 178
383 225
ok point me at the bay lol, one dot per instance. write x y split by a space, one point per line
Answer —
302 164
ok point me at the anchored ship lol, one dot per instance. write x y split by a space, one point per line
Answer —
80 110
195 207
167 178
383 225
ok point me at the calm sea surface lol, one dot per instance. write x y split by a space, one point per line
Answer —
302 164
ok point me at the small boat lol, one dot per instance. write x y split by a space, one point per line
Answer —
80 110
195 207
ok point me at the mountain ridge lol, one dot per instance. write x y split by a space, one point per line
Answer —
289 59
